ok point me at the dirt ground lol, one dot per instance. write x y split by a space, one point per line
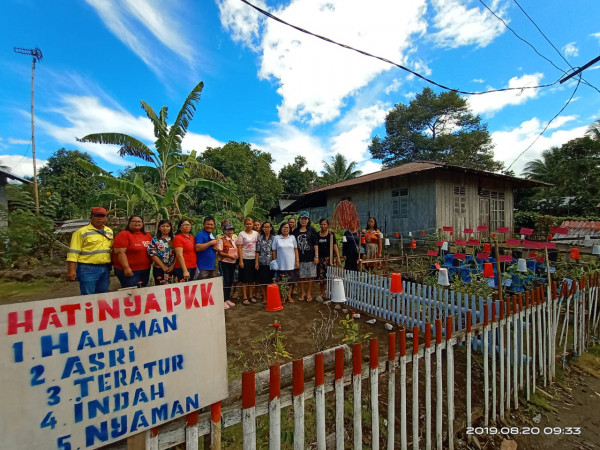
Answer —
570 402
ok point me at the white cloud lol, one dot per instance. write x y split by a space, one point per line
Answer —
18 141
315 78
509 144
285 142
139 24
199 142
21 166
87 115
595 35
369 167
358 126
570 49
242 21
495 101
460 25
478 80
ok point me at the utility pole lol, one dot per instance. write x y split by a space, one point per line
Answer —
36 55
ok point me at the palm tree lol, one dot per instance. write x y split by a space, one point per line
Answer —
593 130
174 170
339 170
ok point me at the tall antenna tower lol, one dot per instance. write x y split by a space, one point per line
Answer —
36 55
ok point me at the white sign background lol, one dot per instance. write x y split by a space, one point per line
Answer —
116 364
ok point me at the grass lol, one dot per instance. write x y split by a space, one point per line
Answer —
10 289
542 402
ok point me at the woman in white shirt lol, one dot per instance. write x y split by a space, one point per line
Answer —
285 252
246 244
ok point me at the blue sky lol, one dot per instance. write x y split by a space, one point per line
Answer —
285 92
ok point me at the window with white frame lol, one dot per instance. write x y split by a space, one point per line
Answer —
460 200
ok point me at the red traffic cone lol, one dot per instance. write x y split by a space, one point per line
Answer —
273 298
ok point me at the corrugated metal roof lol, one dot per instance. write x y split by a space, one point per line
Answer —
581 233
421 166
14 177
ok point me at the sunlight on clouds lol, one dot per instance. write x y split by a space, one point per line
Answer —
21 166
314 77
354 141
459 25
495 101
285 142
508 144
18 141
242 21
139 23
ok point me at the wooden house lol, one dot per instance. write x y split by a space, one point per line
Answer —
422 196
5 175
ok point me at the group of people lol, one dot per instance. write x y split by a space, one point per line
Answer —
251 258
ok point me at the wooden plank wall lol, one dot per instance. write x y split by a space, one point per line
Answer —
431 202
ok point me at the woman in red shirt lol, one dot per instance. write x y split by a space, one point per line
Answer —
185 256
130 254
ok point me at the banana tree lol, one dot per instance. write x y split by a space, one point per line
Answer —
132 194
169 162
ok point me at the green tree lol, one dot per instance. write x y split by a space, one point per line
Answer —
296 178
573 169
174 170
248 171
338 170
62 176
435 128
593 130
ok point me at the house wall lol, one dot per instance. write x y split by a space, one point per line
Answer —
474 213
431 202
375 199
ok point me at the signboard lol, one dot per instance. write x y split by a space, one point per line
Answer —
81 372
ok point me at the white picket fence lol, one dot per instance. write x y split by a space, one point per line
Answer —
526 329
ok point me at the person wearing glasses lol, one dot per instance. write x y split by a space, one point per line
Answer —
89 254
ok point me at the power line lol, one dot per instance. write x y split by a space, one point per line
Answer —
362 52
552 45
508 27
548 124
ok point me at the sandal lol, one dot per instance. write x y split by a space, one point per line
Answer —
225 305
252 299
300 298
246 302
309 299
290 300
230 303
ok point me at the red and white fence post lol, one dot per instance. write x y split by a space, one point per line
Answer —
320 400
415 389
450 381
469 344
403 438
191 430
248 410
374 381
427 386
494 328
298 400
391 416
215 426
501 358
486 371
274 407
357 389
339 399
438 384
